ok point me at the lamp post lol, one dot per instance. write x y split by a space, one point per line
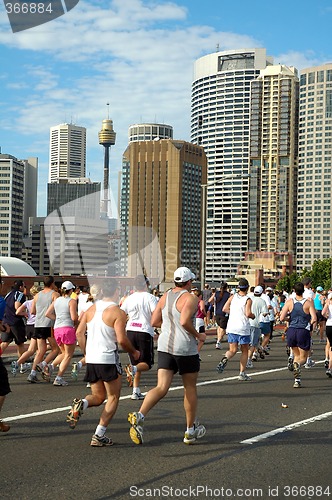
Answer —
204 214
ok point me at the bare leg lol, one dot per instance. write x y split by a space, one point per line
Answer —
165 378
190 397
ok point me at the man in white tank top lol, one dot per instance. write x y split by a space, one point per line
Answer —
177 352
238 307
105 325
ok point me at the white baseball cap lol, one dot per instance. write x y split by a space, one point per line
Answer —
258 290
183 274
67 285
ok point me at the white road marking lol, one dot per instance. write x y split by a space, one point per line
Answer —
128 396
289 427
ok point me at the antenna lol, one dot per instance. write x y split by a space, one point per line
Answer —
217 47
108 110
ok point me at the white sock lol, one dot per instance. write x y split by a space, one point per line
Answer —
79 365
33 372
85 404
190 430
134 370
43 364
136 390
100 431
141 416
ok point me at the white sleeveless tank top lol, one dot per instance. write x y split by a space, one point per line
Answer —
101 344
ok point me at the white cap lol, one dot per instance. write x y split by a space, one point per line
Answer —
67 285
258 290
183 274
269 289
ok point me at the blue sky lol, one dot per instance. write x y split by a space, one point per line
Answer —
138 56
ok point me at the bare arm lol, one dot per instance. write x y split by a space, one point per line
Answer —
156 317
286 310
33 306
249 313
227 306
22 311
80 332
188 307
325 311
50 312
121 336
73 310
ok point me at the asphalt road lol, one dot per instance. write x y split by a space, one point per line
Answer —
247 452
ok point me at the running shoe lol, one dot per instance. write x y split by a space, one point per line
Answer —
47 373
137 396
261 353
75 413
309 364
136 430
14 367
249 364
329 373
254 357
4 427
191 438
221 366
32 379
290 365
25 367
297 384
326 364
244 377
74 372
130 375
59 381
218 345
101 441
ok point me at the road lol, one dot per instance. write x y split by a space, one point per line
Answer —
255 447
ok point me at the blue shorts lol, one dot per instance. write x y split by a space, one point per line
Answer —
265 328
255 334
299 337
234 338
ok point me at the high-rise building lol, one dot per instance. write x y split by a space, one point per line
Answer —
220 123
150 132
314 234
79 196
67 152
18 202
162 196
273 159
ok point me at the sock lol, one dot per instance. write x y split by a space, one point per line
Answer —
134 370
190 430
136 390
79 365
100 431
85 404
33 372
43 364
141 416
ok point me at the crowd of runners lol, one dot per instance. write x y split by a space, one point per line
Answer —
55 321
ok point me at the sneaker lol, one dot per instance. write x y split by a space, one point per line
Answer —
32 379
329 372
4 427
249 364
130 375
266 351
59 381
254 357
309 364
326 364
47 373
244 377
25 367
222 364
136 430
88 385
136 395
101 441
199 432
297 384
39 368
218 345
75 371
290 365
261 353
75 413
14 368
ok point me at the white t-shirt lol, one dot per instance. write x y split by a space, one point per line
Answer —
308 293
139 307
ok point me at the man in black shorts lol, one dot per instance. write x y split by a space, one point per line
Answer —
14 299
221 297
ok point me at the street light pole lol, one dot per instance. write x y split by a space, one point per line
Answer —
204 216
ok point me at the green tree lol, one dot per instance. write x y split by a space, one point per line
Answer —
287 282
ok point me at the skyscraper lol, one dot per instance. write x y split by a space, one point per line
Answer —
220 123
18 202
162 196
315 166
67 152
273 159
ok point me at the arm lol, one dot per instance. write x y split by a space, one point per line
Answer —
156 318
80 332
313 314
325 311
249 313
33 306
202 307
73 310
22 311
121 336
285 310
50 312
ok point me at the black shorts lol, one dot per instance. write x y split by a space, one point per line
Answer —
222 321
29 331
320 317
16 334
42 332
98 371
143 342
4 383
329 335
181 364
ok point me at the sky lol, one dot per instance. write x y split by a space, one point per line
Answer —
138 56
